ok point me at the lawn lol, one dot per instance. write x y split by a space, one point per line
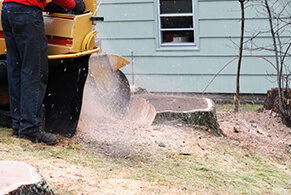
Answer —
210 165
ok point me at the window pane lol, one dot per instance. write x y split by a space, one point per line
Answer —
175 6
178 36
177 22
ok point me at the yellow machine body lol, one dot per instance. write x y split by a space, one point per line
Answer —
66 33
72 37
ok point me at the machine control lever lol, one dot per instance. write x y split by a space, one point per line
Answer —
94 18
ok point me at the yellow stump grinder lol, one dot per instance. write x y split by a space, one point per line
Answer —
71 44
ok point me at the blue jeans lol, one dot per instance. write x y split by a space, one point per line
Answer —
27 64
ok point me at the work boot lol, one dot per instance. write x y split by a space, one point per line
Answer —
14 131
41 136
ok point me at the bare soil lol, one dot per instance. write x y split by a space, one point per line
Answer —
257 131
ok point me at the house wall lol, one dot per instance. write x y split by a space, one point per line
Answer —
130 29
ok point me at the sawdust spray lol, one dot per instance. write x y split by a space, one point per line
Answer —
100 128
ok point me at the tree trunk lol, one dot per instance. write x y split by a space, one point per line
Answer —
272 103
191 110
19 178
279 77
236 99
201 118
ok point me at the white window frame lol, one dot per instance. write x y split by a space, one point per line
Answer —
176 44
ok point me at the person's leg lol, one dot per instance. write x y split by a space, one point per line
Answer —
32 45
13 70
28 31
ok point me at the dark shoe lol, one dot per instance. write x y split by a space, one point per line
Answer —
15 132
41 136
15 129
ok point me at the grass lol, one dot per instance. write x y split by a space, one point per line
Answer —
220 168
228 174
242 107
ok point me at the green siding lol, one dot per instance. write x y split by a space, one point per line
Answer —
131 26
124 11
132 30
197 83
193 65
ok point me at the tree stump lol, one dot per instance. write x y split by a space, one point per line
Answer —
192 110
272 103
19 178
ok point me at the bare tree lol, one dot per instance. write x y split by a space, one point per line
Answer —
278 13
236 100
277 25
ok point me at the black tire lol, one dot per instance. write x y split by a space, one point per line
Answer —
63 100
5 117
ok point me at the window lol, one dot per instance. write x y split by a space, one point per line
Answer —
176 23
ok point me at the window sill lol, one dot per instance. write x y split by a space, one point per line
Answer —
178 48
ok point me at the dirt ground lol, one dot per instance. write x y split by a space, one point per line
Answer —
258 131
261 132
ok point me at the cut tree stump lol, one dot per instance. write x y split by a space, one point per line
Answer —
19 178
192 110
272 103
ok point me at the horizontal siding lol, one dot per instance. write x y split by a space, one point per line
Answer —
207 29
221 84
130 27
222 9
228 9
125 46
208 47
122 11
231 27
130 30
198 66
194 74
